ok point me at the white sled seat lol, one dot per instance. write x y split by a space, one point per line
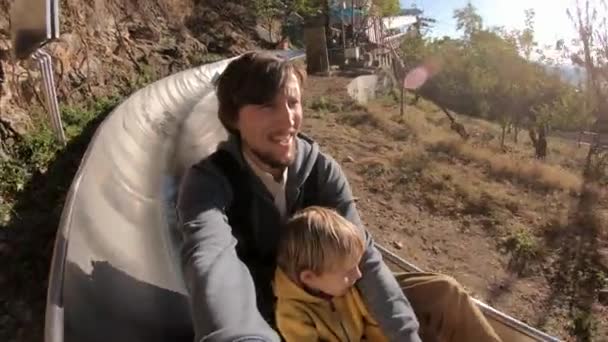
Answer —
114 274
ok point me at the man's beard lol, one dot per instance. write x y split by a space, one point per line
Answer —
272 162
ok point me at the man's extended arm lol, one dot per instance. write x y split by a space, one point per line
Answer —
222 293
378 286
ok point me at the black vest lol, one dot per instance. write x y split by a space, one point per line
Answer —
261 267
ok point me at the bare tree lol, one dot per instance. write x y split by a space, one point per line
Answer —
593 56
592 30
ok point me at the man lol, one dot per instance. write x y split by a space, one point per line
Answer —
232 205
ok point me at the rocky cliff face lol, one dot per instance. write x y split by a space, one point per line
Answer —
109 46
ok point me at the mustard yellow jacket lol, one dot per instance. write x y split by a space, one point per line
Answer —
302 317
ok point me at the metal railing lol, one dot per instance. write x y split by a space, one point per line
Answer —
489 311
48 82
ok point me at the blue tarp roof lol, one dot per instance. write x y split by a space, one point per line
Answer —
338 12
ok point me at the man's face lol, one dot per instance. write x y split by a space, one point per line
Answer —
268 131
336 282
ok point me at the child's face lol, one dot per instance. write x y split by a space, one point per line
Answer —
336 282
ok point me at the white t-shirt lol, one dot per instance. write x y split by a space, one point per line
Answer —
277 189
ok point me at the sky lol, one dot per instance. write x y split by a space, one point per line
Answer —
551 21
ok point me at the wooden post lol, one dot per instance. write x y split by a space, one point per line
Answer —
402 110
317 58
352 20
343 29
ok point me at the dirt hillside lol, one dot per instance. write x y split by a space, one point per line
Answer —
508 227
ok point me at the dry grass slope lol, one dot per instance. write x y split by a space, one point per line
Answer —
521 234
530 172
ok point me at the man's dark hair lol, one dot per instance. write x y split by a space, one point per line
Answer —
253 78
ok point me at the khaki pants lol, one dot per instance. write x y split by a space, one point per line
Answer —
445 311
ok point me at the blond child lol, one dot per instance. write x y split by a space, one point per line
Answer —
318 265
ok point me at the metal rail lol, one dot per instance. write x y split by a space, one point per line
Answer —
46 70
489 311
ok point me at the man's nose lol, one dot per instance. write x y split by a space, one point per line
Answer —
286 116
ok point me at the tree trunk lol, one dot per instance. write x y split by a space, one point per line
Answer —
516 130
455 126
270 31
541 143
587 170
352 22
317 59
326 19
538 137
596 163
459 128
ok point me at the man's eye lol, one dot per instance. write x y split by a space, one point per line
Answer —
267 106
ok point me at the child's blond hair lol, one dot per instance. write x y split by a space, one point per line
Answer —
320 240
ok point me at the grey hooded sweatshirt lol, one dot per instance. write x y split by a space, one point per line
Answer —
224 296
